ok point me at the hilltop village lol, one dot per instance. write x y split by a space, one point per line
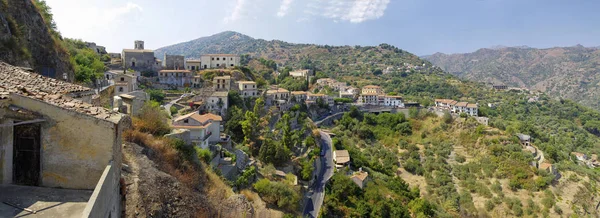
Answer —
269 140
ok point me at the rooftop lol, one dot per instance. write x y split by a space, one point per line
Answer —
341 156
193 61
174 71
523 137
47 202
371 87
279 90
298 93
247 82
227 55
361 175
472 105
219 94
222 77
15 81
138 50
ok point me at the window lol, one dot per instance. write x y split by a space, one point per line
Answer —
122 78
245 86
120 89
232 65
213 59
217 65
231 59
217 59
185 121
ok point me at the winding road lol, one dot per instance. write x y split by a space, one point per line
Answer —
316 195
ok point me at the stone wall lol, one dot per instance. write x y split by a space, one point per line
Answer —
182 134
143 60
174 62
75 147
106 199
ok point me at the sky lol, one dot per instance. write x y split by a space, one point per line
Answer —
419 26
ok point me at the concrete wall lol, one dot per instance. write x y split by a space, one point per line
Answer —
75 147
106 199
181 134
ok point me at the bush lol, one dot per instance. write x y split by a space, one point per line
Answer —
152 120
203 154
459 158
278 193
489 205
173 110
156 95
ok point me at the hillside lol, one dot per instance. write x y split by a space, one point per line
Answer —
329 59
28 38
566 72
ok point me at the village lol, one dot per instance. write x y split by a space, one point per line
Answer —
40 113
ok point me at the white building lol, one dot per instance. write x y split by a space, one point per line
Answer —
124 83
312 98
299 96
248 89
218 102
219 61
204 129
192 65
465 107
301 73
393 101
369 99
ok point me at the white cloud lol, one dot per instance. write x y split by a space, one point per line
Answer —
237 11
354 11
283 9
113 14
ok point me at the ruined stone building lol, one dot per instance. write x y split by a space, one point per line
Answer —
219 61
59 156
175 77
125 83
173 62
140 58
130 103
100 50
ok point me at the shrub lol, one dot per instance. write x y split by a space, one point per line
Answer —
459 158
152 120
173 110
489 205
277 193
203 154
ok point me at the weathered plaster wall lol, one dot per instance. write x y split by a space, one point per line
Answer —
6 152
105 201
75 148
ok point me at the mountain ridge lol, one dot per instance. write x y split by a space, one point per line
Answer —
565 72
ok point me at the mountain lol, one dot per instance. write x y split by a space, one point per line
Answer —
28 38
566 72
339 59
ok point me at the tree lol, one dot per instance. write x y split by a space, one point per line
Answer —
377 72
233 126
447 118
156 95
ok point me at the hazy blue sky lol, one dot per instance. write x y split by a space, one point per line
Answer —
418 26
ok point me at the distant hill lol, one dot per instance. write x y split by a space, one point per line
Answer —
567 72
339 59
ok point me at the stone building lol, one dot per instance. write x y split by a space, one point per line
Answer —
222 83
192 65
131 103
248 89
301 73
124 83
219 60
175 77
101 50
173 62
52 143
218 103
139 58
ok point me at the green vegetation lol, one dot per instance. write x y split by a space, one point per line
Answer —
87 63
156 95
152 120
282 195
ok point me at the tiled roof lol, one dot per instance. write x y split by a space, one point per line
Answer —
341 156
174 71
472 105
200 118
247 82
138 50
273 91
461 104
360 175
226 55
14 80
298 93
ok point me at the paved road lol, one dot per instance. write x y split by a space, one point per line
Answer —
317 190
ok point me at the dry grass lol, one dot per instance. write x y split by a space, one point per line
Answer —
167 157
251 196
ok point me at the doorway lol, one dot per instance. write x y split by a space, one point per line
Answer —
26 155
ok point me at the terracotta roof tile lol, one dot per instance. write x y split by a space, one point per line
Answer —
16 81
